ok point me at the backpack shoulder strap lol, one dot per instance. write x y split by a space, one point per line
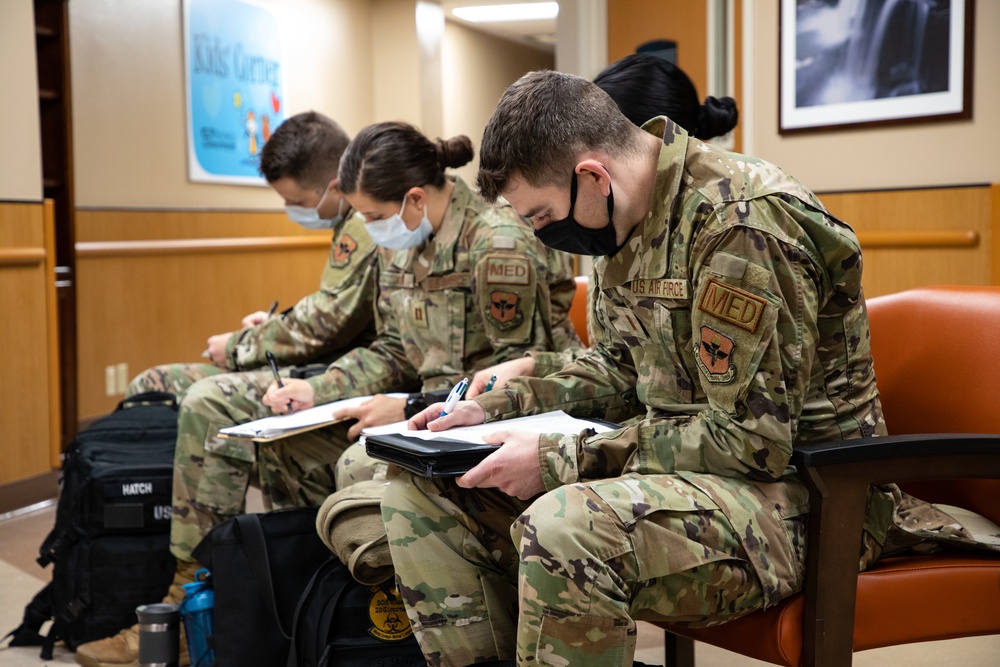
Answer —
256 550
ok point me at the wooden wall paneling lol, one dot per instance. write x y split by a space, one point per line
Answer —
920 237
24 391
154 285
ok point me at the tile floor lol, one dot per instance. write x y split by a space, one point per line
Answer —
21 577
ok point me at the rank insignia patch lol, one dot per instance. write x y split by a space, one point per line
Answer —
732 305
715 356
340 253
419 318
505 310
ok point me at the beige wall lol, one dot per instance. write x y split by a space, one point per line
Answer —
128 95
477 69
21 166
926 154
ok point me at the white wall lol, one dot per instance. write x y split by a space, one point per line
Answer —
20 147
477 69
129 103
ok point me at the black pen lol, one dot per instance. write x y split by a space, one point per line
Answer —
270 311
274 369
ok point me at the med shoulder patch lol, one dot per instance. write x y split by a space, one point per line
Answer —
725 302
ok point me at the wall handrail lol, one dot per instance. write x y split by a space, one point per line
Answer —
14 256
946 239
198 246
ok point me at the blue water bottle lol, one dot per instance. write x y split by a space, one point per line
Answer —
197 614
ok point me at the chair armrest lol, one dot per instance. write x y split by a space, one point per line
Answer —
899 447
838 475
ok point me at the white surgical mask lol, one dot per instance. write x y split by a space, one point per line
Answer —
310 218
393 233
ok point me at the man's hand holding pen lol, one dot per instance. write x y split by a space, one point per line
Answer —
293 395
288 396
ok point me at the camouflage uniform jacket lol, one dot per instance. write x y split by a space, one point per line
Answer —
324 324
474 295
732 321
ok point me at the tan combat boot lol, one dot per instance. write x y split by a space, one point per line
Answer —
122 650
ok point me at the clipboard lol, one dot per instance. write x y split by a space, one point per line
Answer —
277 427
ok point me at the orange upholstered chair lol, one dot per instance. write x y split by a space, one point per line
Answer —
578 309
937 360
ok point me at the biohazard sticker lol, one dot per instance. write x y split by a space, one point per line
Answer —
715 356
340 253
388 617
505 310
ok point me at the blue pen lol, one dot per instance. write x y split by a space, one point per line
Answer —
454 397
489 385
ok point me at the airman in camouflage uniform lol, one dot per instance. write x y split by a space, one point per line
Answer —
728 313
212 474
482 291
310 332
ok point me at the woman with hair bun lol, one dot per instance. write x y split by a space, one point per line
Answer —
645 86
462 285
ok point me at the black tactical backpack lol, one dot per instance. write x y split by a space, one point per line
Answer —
110 547
342 623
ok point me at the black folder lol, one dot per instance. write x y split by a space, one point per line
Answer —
438 457
442 456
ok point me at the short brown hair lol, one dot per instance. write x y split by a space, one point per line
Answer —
542 123
306 148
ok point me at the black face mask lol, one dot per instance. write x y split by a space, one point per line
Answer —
570 236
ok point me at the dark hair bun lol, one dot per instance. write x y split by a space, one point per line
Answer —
454 152
716 117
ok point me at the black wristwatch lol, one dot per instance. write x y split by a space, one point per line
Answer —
417 402
414 404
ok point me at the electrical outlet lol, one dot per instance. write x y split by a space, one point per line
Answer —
121 377
109 381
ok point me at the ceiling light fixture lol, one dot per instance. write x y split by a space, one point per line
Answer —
528 11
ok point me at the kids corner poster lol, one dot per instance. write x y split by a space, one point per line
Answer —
235 89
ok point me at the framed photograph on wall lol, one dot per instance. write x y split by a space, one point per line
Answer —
857 63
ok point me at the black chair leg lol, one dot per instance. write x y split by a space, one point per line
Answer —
678 651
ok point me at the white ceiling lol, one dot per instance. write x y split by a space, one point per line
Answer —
537 34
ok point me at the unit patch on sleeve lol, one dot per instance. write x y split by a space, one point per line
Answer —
341 251
732 305
715 356
505 310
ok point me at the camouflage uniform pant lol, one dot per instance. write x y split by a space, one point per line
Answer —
171 378
212 473
356 466
561 580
